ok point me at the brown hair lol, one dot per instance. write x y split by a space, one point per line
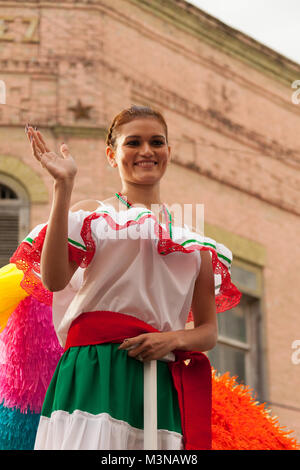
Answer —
130 114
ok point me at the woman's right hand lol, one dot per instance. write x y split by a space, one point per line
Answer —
60 167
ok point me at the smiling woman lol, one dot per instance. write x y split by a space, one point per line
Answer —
146 149
108 283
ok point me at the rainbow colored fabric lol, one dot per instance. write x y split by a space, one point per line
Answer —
29 353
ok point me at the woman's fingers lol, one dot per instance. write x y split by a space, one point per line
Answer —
35 149
36 153
37 136
60 166
42 141
38 145
33 139
149 346
28 133
38 142
64 150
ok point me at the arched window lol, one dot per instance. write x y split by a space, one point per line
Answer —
14 216
7 193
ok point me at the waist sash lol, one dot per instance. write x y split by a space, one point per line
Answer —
192 382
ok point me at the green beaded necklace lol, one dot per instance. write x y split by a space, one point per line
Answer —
164 208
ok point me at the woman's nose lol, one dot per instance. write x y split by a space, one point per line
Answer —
146 149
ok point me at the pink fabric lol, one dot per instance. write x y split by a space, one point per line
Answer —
30 351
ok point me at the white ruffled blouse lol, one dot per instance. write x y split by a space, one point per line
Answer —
129 264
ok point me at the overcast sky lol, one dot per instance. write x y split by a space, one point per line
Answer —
275 23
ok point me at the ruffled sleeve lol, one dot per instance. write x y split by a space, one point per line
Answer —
227 295
82 245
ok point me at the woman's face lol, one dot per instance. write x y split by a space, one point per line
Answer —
141 139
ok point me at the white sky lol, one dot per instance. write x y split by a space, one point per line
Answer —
275 23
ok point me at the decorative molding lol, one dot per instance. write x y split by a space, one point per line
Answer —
34 65
261 148
79 131
148 90
24 174
241 247
152 92
193 21
30 33
217 34
254 276
81 111
17 187
213 119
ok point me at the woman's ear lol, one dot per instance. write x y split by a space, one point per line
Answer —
111 156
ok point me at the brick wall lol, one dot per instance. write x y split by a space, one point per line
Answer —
232 126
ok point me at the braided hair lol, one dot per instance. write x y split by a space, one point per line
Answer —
128 115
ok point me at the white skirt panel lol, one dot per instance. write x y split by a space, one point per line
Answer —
84 431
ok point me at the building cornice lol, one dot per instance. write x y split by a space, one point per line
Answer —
198 24
32 181
230 41
79 131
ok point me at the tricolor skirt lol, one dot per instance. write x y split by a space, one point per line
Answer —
95 401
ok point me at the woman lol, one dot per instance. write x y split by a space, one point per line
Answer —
122 271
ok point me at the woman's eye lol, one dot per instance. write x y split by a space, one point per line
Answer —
156 142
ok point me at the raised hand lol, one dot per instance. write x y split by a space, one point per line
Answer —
60 167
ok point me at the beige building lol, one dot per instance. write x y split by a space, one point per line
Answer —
233 127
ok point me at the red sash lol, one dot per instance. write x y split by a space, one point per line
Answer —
193 382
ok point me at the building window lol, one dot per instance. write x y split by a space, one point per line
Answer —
7 193
9 223
238 350
234 343
14 217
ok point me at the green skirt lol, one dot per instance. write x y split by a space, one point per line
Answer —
96 401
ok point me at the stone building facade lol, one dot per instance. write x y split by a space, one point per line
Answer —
69 67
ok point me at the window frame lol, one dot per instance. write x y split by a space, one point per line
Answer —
254 346
19 206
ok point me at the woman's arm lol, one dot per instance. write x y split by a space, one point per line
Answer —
56 268
204 335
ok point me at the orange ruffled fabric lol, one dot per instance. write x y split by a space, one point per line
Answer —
239 422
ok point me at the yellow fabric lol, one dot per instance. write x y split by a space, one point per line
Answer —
11 293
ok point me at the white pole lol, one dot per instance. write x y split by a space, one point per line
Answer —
150 405
150 401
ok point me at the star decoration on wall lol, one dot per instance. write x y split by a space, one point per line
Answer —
80 111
